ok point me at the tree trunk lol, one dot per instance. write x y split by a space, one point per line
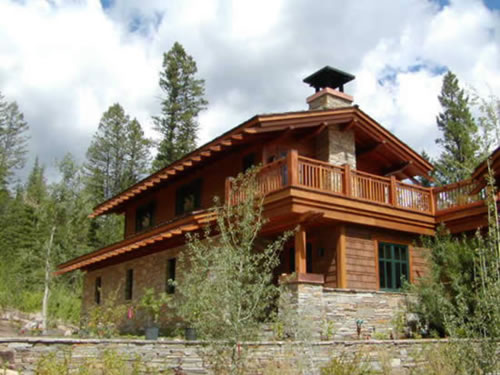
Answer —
45 302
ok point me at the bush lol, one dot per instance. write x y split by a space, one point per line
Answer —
356 364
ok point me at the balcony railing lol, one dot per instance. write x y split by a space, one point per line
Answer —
315 175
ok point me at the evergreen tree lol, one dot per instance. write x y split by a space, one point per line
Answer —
13 140
117 158
184 99
459 134
118 155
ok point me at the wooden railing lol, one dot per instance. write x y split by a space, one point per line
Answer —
295 170
459 194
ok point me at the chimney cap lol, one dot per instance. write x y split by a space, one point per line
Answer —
329 77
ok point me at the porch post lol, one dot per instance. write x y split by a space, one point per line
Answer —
300 250
292 160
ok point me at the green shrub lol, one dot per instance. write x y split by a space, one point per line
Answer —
356 364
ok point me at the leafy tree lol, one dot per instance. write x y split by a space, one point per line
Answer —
13 140
226 286
488 121
460 296
459 139
184 99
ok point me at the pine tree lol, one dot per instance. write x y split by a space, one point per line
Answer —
117 158
13 140
459 134
118 155
184 99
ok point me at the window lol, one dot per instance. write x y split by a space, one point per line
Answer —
248 161
97 292
171 275
144 217
188 197
392 265
129 284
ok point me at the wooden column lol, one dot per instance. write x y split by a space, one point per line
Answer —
292 161
228 190
341 258
300 250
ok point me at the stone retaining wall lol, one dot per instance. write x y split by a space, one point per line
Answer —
337 310
401 355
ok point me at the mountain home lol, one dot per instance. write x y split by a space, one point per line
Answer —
348 185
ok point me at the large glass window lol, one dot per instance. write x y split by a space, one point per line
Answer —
392 265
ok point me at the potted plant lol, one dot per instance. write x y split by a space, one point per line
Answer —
152 303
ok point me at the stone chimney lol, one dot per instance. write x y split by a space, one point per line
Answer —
335 144
329 85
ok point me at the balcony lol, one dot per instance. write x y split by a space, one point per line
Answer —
376 199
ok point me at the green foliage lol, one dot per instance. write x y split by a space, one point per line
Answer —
356 364
226 290
153 303
488 121
183 100
13 140
109 362
459 139
104 320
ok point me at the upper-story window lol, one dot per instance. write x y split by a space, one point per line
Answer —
249 161
144 217
188 197
393 265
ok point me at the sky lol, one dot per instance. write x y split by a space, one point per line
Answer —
66 61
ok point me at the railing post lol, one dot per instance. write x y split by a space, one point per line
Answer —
393 192
347 180
432 201
292 162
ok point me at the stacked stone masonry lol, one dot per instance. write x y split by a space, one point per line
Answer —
401 355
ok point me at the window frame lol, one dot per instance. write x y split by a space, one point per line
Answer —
170 275
141 210
195 188
393 264
98 290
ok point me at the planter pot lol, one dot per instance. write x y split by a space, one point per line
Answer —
190 334
152 333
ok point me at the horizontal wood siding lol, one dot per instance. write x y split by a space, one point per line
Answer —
361 267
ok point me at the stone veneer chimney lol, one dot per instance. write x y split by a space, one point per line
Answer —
333 145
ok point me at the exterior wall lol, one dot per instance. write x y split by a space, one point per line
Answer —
362 255
213 178
401 355
150 271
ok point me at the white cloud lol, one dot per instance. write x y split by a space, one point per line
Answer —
65 62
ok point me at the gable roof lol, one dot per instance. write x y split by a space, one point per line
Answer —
348 117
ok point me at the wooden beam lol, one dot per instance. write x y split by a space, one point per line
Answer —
300 250
368 150
205 154
187 163
341 259
171 172
397 169
179 167
237 137
215 148
317 131
250 130
350 125
226 142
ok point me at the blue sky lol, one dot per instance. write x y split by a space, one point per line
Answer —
76 58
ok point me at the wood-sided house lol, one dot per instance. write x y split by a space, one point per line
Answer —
347 182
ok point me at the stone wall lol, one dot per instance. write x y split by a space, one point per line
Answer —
400 355
336 146
332 313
